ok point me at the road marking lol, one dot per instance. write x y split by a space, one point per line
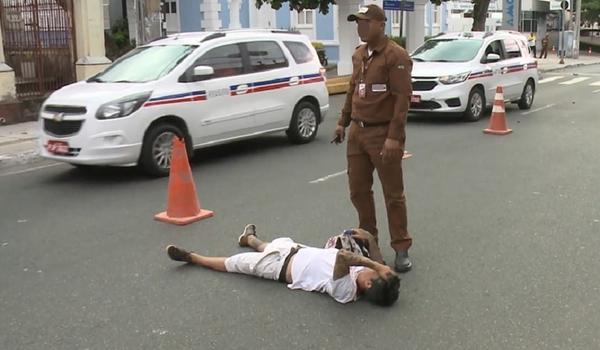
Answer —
574 81
325 178
539 109
596 91
547 80
31 169
595 84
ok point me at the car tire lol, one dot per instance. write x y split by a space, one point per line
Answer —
304 124
155 158
527 96
475 105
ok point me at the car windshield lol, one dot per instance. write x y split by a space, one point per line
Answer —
447 50
144 64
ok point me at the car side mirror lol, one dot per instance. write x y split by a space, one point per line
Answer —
203 72
492 57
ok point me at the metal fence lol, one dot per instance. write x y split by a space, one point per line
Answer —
38 44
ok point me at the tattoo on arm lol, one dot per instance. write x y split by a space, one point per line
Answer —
374 250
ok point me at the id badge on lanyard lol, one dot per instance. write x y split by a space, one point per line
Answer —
362 87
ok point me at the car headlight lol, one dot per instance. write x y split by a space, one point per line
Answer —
122 107
454 79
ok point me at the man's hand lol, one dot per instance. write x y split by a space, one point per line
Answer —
392 150
339 135
362 235
384 271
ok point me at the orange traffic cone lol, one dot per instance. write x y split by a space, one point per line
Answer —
498 120
183 206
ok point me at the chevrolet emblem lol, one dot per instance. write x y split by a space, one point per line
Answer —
58 117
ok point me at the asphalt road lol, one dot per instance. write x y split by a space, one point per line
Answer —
506 240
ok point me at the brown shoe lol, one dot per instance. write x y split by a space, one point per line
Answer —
249 230
179 254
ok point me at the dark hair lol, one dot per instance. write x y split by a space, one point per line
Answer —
382 292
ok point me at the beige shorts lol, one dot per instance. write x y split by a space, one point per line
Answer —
265 264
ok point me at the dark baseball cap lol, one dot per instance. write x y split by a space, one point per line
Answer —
372 11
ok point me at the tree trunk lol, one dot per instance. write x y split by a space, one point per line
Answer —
480 10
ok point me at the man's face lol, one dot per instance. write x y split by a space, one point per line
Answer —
369 29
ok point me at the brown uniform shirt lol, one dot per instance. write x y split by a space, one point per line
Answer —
387 90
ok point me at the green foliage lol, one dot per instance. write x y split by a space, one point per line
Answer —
590 10
399 40
318 45
117 40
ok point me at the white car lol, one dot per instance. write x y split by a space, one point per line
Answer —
459 72
209 88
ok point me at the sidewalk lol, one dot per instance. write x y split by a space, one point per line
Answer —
18 142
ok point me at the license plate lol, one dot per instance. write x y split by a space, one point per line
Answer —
58 147
415 99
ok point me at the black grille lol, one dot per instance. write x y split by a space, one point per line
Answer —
65 109
63 128
423 85
425 105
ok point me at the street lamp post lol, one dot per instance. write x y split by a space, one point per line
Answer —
577 28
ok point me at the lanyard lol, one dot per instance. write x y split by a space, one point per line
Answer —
364 66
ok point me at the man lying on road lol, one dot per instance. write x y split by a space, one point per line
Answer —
340 273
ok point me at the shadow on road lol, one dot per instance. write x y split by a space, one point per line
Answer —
102 175
435 118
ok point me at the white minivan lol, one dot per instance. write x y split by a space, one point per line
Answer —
209 88
459 72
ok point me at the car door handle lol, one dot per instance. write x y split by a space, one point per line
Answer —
294 81
241 89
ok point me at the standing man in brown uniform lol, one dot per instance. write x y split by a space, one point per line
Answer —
376 106
545 44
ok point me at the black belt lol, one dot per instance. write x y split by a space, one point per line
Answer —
286 262
368 125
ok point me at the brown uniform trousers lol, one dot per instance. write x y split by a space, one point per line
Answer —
545 44
382 107
364 156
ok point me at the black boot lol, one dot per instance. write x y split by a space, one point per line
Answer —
402 264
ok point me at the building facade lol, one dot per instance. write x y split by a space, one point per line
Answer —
197 15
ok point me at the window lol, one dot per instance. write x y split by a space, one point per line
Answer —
265 55
494 47
447 50
512 48
305 18
225 60
145 64
299 51
170 7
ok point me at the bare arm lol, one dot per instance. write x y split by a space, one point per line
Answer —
370 242
345 259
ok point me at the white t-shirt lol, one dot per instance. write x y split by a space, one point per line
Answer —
312 271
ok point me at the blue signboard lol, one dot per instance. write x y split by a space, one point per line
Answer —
397 5
510 14
407 6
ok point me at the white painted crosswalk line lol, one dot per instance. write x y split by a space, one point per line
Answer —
547 80
574 81
595 84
